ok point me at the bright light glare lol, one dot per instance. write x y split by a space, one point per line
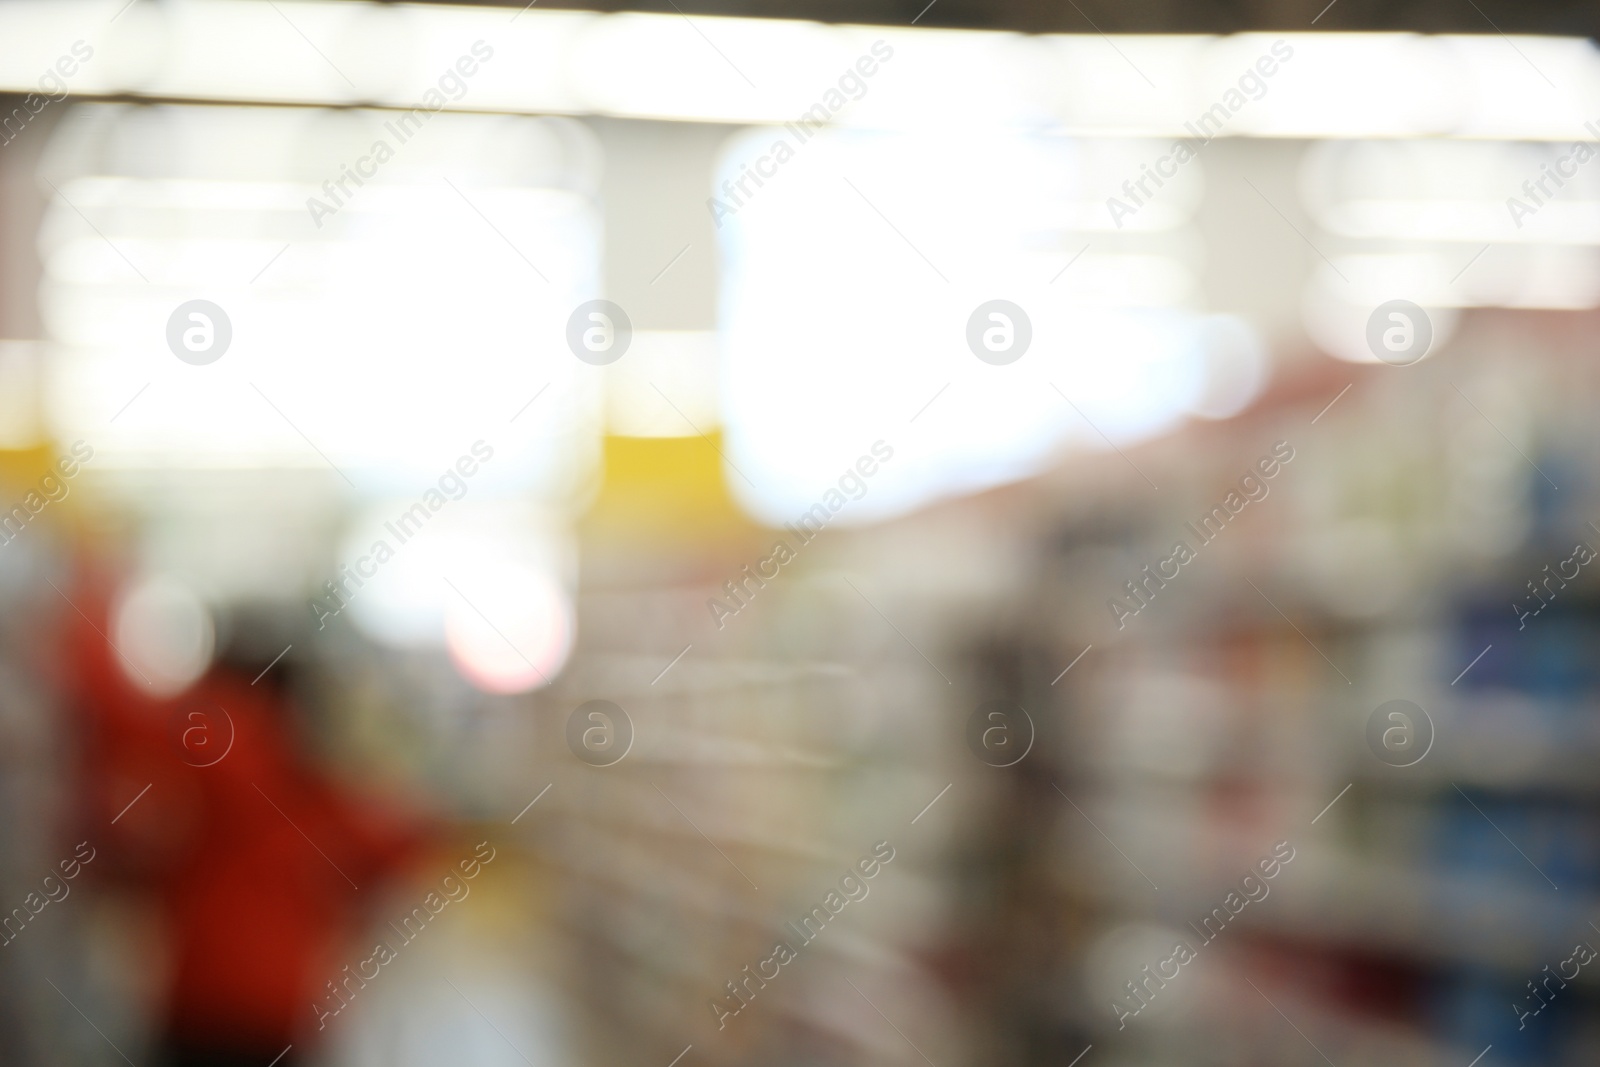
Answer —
659 66
1453 191
365 339
165 636
516 632
851 277
1448 225
487 581
1336 312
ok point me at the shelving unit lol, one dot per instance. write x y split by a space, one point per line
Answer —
1230 714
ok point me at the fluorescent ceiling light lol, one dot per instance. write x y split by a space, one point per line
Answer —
361 340
742 70
1450 224
840 328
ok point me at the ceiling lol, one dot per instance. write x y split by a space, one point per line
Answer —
1558 17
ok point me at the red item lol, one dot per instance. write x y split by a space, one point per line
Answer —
259 861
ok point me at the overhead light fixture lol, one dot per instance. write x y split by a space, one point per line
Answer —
350 350
768 71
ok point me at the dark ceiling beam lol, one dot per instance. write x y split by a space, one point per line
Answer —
1558 17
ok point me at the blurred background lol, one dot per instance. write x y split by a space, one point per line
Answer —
558 536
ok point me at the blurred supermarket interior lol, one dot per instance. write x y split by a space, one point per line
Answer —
817 534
